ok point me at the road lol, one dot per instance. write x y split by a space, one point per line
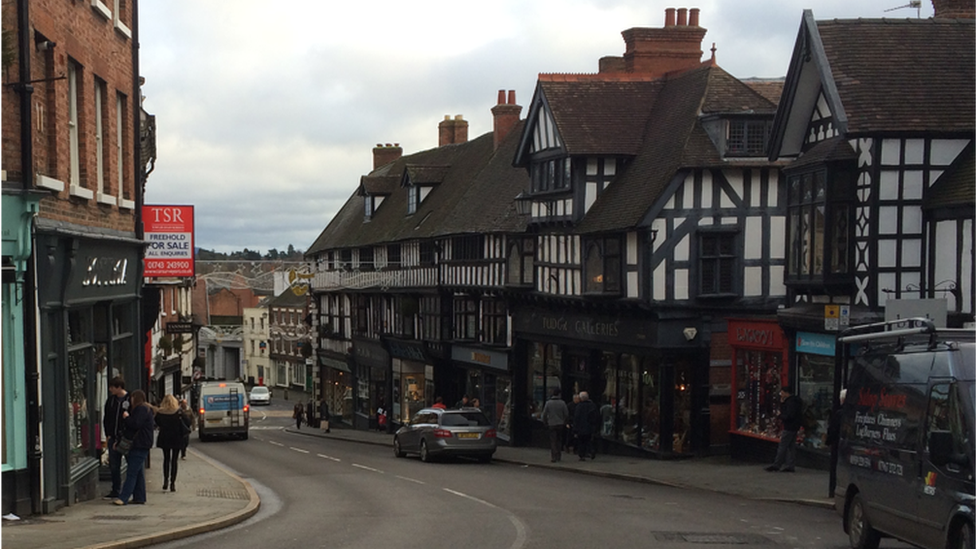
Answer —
326 493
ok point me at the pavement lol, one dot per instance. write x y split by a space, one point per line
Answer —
210 497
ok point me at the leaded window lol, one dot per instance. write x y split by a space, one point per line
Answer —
521 262
819 224
465 318
717 263
603 265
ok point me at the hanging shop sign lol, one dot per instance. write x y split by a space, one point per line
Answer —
169 240
179 327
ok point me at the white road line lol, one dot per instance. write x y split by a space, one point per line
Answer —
328 457
408 479
276 443
367 468
298 449
520 530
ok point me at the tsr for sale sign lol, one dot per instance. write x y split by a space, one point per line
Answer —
169 240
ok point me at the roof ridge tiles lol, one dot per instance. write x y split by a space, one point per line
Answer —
598 77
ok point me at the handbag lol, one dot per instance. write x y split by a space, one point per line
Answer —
123 445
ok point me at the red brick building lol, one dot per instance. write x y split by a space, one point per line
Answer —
73 145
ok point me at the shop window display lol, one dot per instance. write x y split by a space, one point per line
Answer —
503 406
682 407
816 383
628 399
620 403
651 409
545 371
758 382
80 356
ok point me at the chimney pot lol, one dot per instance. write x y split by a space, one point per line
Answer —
505 117
669 17
682 17
511 97
458 117
501 97
693 17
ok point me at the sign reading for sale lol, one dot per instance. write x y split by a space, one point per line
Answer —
169 240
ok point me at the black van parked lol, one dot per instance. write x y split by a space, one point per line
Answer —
907 435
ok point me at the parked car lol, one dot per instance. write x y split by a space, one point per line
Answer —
906 449
434 432
260 395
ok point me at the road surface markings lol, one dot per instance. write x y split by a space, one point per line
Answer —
328 457
367 468
276 443
298 449
520 534
408 479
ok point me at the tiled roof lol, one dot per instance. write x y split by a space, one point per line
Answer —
600 116
379 184
770 88
672 139
287 298
903 74
426 175
476 193
830 150
957 186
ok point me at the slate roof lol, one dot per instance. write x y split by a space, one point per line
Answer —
903 74
957 186
287 298
672 139
476 192
379 185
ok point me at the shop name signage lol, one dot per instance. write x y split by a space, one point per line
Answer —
493 359
815 344
182 328
585 327
406 350
755 336
105 271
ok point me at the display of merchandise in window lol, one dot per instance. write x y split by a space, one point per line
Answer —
759 378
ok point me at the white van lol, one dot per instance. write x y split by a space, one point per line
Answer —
224 410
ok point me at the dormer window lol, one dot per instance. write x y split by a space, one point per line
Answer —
371 204
413 199
747 137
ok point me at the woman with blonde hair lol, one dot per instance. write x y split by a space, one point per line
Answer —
172 423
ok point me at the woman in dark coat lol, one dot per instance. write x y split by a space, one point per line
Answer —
137 427
173 424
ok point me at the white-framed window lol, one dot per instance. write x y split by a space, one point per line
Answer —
120 16
73 134
413 199
119 139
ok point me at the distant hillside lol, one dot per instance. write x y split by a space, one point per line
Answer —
291 254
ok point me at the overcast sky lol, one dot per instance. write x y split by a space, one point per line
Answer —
267 112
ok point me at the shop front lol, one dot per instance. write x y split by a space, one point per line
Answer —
487 378
19 461
814 354
371 382
759 371
90 331
648 381
413 378
336 380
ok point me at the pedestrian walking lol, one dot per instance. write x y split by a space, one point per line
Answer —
310 414
173 426
188 414
791 415
555 415
586 420
138 428
324 415
117 403
298 415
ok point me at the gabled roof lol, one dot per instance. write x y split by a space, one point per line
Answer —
379 185
672 139
957 186
424 175
287 298
476 192
879 75
594 113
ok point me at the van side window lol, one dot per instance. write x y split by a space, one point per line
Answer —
945 415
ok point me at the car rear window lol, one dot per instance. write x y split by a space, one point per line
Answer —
259 390
464 419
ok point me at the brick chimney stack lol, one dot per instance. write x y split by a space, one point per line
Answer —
656 51
384 154
506 115
452 131
954 9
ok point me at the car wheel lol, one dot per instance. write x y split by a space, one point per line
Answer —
964 536
397 451
424 453
859 529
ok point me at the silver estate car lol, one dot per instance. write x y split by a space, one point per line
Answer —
436 432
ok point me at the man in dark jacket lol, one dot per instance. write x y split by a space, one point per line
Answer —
115 405
791 415
555 415
585 420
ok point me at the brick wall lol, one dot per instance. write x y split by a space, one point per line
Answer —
103 53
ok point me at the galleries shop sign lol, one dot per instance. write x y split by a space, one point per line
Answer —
169 240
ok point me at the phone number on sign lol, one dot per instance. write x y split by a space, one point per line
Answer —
167 265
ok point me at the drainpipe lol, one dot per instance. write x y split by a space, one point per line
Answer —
31 374
140 181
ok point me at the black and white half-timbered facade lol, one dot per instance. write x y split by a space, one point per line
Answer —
412 278
877 123
657 217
